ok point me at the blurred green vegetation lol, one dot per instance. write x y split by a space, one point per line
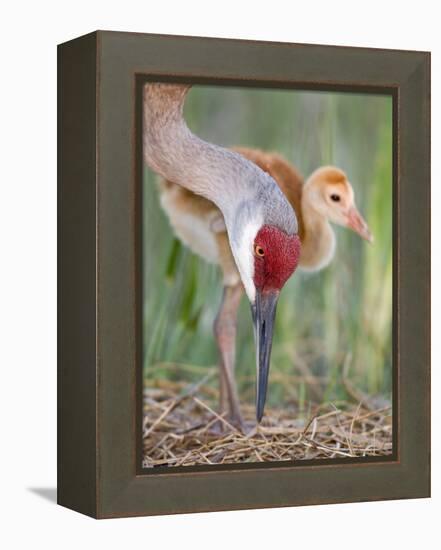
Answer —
337 319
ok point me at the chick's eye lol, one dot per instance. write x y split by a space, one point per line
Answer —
335 197
258 250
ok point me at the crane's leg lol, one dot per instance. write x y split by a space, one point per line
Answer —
225 334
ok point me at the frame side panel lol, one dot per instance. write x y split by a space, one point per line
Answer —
77 275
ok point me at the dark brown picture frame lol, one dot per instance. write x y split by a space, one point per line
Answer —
99 373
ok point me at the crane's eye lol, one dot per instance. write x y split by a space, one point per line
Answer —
335 198
258 250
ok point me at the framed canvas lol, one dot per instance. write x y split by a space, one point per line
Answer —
199 177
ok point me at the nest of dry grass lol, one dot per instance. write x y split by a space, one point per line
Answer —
182 427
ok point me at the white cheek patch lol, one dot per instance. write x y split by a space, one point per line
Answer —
243 255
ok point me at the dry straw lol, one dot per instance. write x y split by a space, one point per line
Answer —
182 427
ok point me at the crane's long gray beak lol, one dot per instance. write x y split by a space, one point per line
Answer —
264 312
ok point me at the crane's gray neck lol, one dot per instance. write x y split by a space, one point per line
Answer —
226 178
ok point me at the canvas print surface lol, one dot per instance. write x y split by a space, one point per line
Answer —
267 275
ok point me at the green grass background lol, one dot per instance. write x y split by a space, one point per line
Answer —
339 318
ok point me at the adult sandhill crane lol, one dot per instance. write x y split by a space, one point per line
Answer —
326 196
261 225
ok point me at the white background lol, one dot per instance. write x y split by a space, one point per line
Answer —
29 34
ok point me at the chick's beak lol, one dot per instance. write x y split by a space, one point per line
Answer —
357 223
264 312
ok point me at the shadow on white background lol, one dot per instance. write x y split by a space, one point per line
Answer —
48 493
